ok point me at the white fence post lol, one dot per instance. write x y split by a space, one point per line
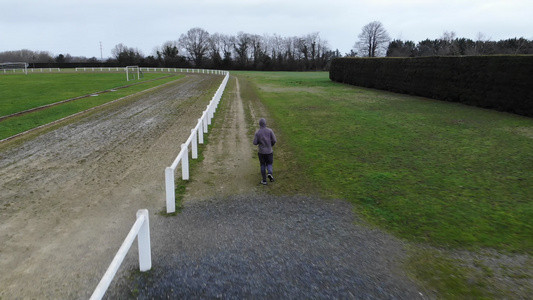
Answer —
194 145
170 190
211 110
200 131
207 113
185 162
140 230
205 121
143 241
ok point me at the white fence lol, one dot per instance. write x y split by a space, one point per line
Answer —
193 140
38 70
148 70
141 230
112 69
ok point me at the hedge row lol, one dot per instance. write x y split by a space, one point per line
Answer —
503 83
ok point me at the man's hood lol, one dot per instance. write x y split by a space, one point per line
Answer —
262 122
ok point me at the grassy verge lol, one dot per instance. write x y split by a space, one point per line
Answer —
21 123
432 172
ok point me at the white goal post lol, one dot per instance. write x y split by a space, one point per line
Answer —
14 67
133 73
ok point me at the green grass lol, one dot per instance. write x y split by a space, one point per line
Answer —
450 277
434 173
428 171
22 92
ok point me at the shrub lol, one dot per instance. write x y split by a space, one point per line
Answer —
495 82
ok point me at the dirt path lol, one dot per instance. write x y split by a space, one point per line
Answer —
229 166
69 196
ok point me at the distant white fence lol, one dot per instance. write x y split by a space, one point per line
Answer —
30 70
148 70
141 230
112 69
193 140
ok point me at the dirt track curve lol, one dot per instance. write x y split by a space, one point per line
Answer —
69 196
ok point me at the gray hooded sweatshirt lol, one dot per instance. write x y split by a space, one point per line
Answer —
265 138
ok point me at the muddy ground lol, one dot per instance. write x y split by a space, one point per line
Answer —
69 195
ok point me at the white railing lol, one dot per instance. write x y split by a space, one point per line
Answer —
141 230
30 70
183 156
100 69
143 69
113 69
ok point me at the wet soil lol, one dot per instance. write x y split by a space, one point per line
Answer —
69 195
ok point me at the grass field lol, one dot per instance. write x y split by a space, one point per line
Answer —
431 172
20 92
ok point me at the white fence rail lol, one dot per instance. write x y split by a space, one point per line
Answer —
148 70
193 140
112 69
141 230
30 70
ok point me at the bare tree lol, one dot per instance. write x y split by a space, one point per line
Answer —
126 55
118 49
242 45
483 44
168 55
196 44
277 48
258 49
373 40
170 49
220 50
449 44
26 55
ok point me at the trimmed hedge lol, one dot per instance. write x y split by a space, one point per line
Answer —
503 83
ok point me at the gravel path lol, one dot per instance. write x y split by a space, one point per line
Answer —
262 246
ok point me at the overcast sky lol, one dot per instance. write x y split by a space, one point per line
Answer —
77 27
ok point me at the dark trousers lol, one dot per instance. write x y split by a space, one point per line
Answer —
266 161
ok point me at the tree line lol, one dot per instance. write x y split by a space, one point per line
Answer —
198 49
449 45
244 51
374 41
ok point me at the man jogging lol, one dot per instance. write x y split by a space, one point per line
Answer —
265 139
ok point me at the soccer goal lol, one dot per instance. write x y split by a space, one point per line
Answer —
133 73
15 67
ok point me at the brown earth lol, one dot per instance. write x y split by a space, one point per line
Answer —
70 193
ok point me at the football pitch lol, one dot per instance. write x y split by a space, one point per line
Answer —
29 101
